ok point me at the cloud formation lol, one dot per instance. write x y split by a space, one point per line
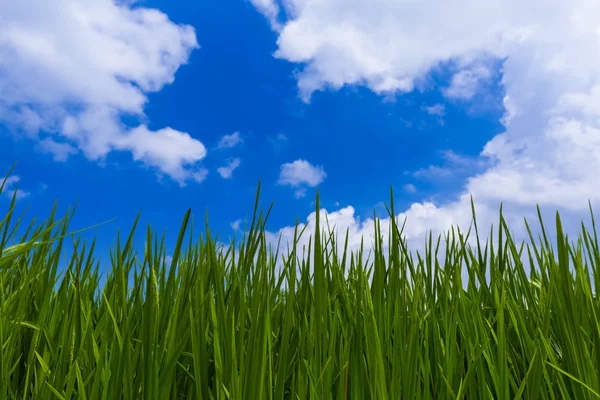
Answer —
270 9
71 69
10 190
300 174
230 141
454 164
437 110
549 153
409 188
226 172
466 82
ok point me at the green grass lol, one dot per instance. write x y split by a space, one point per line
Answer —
264 323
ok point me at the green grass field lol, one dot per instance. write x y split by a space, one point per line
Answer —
269 323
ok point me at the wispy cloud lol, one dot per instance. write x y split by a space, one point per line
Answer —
300 193
466 82
278 141
200 175
11 188
59 150
270 9
230 141
438 110
237 224
454 164
226 172
409 188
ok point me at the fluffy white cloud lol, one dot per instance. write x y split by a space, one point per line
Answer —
550 151
166 149
70 69
386 44
425 218
230 141
226 172
301 172
9 187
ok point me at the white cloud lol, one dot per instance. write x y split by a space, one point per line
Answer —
300 193
549 152
70 69
454 164
421 218
436 109
384 44
301 172
226 172
166 149
59 150
200 175
9 187
235 225
278 141
270 9
230 141
409 188
466 82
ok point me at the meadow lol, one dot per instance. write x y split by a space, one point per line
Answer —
256 321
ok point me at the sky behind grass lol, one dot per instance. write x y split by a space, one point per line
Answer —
157 106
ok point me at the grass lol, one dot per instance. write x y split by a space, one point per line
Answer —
263 323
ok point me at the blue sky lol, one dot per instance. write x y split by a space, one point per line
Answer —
301 95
